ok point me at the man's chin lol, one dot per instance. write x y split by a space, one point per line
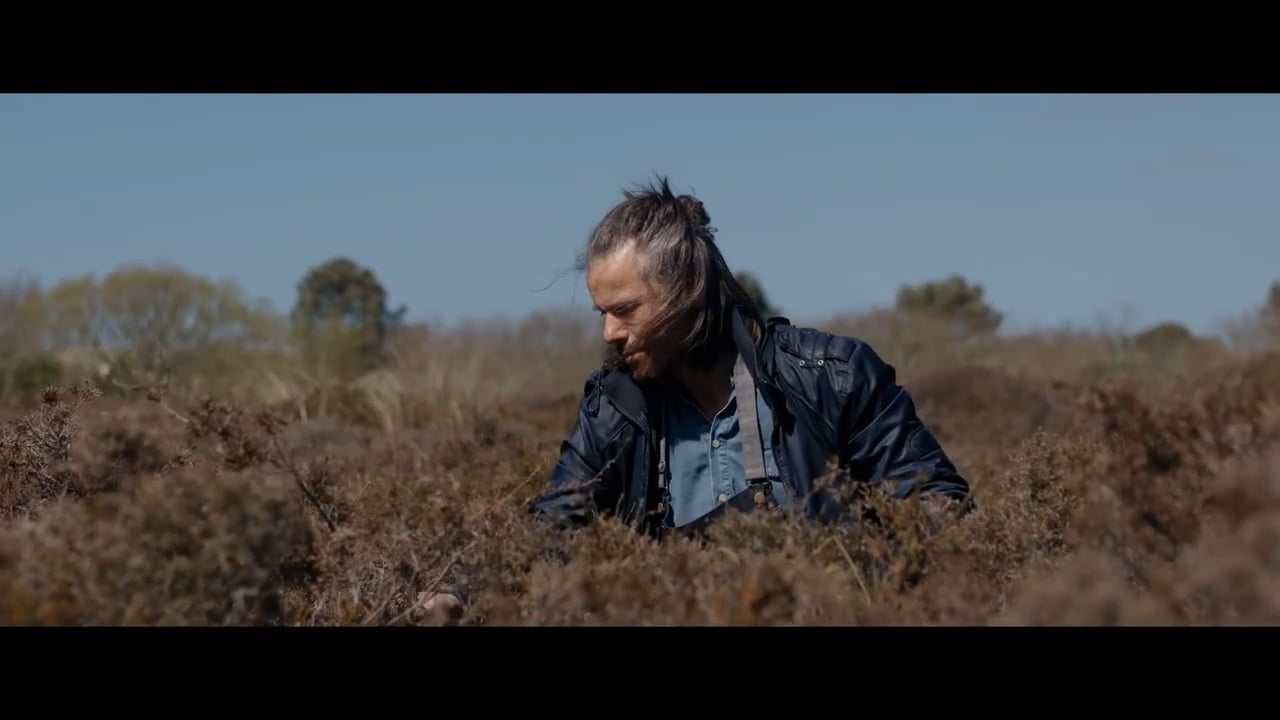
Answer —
641 372
612 359
643 367
639 366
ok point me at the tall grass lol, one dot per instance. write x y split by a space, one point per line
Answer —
1113 486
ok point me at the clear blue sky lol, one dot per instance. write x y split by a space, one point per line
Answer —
1064 207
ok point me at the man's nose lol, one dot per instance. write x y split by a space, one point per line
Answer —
613 333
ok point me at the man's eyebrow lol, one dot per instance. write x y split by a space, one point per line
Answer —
620 305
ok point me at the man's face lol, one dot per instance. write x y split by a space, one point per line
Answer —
628 304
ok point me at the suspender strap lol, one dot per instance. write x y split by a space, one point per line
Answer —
744 389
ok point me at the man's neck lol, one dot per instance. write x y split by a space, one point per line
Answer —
710 388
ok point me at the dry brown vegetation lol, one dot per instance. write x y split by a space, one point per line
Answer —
1114 484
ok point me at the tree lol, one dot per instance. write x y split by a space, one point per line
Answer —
341 314
1164 337
1269 315
148 321
341 293
25 363
952 297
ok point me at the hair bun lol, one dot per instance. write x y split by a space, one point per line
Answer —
696 210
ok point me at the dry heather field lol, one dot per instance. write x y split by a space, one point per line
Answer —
1114 486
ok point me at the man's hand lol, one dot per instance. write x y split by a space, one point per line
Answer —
441 608
940 509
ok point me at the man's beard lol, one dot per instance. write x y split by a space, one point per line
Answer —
613 361
612 358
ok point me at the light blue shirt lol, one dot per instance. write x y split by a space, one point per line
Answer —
706 457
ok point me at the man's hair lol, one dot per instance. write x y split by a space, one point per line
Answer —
677 248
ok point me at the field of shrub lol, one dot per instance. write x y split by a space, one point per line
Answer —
1117 481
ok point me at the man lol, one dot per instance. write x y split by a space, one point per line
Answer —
703 404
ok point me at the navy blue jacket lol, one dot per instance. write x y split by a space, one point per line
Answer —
832 396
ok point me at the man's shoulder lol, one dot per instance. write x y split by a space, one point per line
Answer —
609 397
601 380
593 381
593 389
808 346
828 369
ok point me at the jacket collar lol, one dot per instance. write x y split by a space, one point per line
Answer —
759 358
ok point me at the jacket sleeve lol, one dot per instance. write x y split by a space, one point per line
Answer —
883 439
578 486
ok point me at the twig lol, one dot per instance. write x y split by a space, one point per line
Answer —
857 573
153 395
173 412
285 462
510 493
440 576
431 586
457 556
285 392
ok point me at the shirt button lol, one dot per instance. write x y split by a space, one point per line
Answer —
715 443
722 497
